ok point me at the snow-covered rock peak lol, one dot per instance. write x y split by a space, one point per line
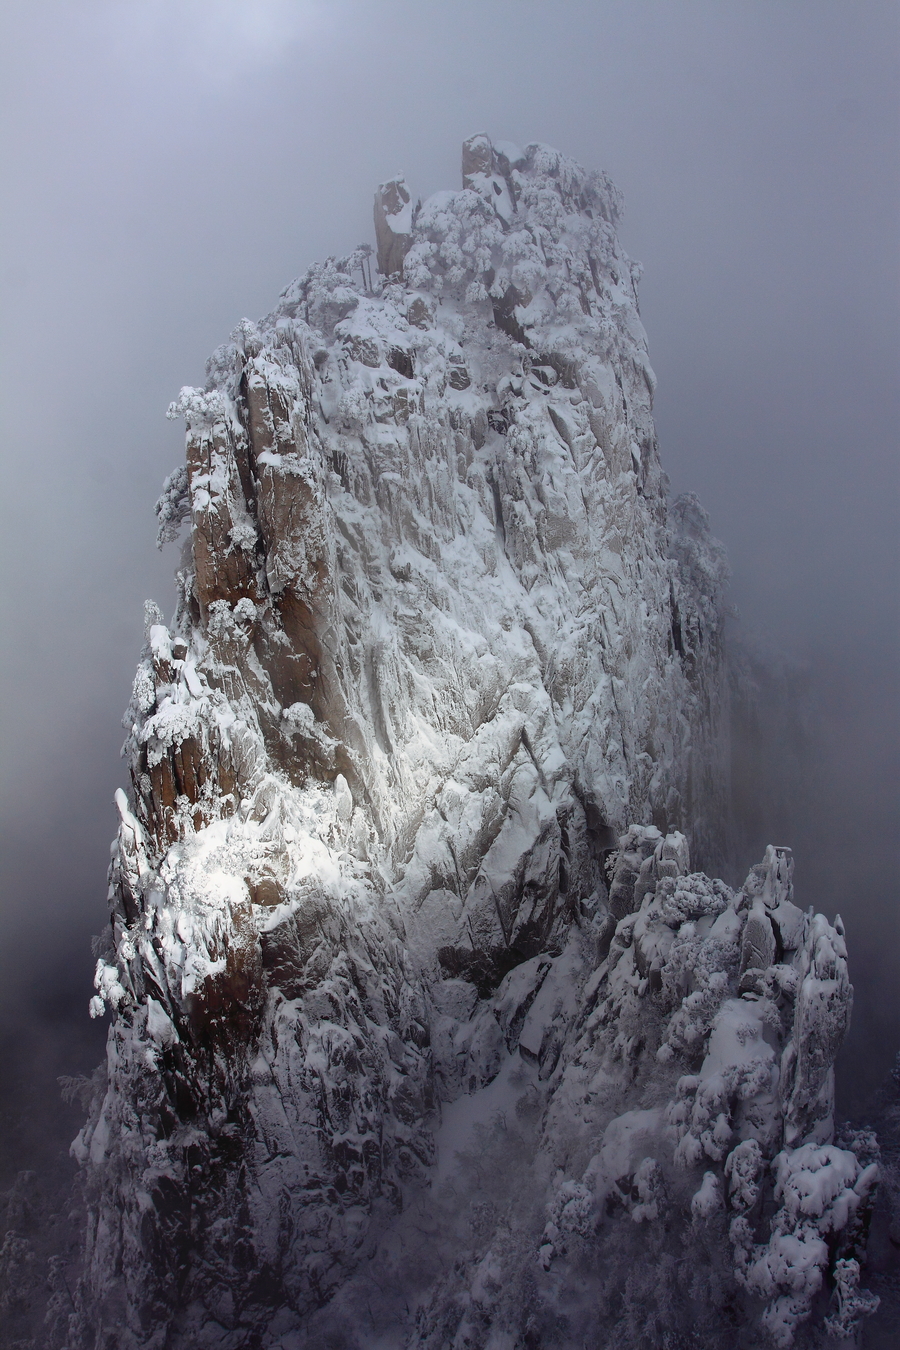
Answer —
419 774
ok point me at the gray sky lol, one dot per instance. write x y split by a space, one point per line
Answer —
169 165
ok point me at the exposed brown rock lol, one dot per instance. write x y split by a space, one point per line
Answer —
391 201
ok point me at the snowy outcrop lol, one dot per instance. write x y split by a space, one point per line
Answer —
701 1040
419 774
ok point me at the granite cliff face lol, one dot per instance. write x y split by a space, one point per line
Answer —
407 936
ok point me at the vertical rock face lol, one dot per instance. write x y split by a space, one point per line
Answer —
393 225
417 776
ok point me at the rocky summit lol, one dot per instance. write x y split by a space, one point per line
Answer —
426 1027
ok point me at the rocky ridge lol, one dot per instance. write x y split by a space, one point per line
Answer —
421 772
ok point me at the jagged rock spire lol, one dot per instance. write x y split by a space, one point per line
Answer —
393 225
419 772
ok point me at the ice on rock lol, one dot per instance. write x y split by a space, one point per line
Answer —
429 781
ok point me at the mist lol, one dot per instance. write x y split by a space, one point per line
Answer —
170 167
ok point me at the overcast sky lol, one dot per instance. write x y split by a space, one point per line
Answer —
169 165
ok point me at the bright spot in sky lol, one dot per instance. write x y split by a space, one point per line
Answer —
219 38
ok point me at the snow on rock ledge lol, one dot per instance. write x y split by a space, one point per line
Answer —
417 773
